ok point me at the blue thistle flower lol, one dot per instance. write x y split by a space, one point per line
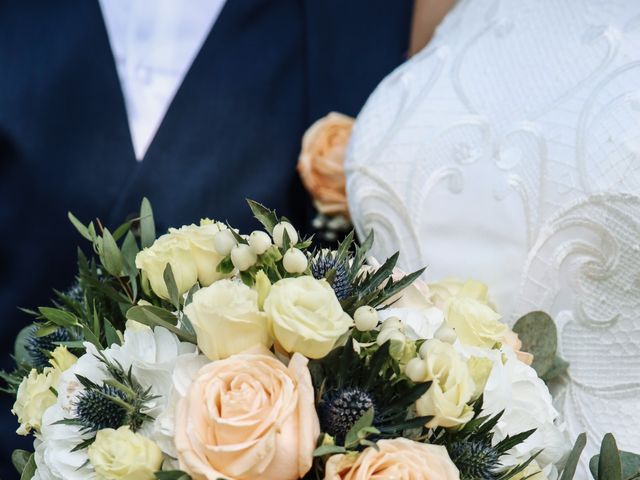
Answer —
325 261
341 409
39 347
94 411
476 460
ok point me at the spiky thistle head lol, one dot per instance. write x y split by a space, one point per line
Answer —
341 409
327 261
95 408
39 347
476 459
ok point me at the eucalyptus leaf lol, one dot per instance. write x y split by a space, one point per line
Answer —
111 333
80 227
29 469
61 318
158 317
558 367
574 458
353 435
172 475
110 255
323 450
172 288
147 224
630 465
20 458
609 464
129 252
539 336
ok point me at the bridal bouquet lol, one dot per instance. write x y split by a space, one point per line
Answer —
210 354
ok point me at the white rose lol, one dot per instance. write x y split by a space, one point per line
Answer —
172 249
452 387
124 455
203 251
515 387
227 320
306 316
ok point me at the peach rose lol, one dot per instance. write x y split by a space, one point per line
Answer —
248 417
511 339
399 459
321 163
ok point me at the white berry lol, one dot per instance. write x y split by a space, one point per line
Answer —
446 334
278 234
295 261
243 257
223 242
259 242
365 318
390 334
393 323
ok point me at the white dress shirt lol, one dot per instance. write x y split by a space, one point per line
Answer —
154 44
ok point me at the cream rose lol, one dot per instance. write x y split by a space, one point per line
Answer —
248 417
468 311
200 239
33 398
227 320
306 316
172 249
124 455
321 163
452 387
399 459
35 392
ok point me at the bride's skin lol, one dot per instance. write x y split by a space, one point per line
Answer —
427 15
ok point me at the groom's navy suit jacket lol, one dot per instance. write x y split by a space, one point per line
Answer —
267 70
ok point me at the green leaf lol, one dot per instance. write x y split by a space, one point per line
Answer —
630 465
121 230
172 475
172 288
111 333
539 336
610 465
61 318
147 224
574 457
323 450
110 254
20 458
129 252
29 469
558 367
46 330
265 216
156 316
353 435
82 229
225 266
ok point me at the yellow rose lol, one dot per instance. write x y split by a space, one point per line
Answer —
200 239
452 386
124 455
306 316
173 249
480 369
399 459
468 312
34 396
321 163
248 417
226 319
262 287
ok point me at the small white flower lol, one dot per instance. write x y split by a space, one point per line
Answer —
259 242
223 242
295 261
242 257
278 233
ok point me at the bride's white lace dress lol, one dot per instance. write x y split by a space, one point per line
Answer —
509 150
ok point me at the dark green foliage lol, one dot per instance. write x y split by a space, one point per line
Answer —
475 459
326 265
341 409
95 408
